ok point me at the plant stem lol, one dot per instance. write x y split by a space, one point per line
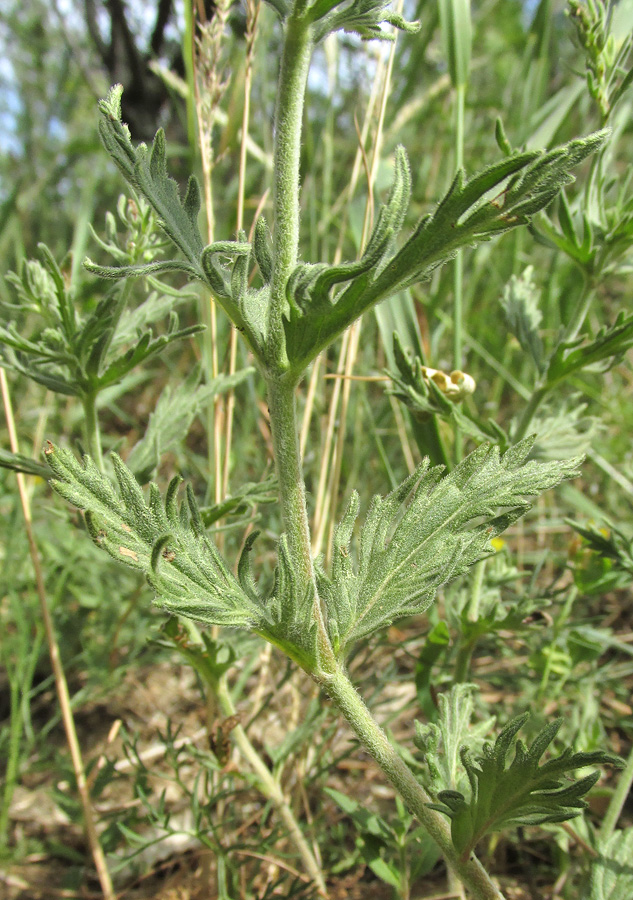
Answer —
282 408
285 435
578 316
284 428
92 430
12 752
538 395
61 684
458 270
466 647
625 780
270 788
375 741
293 77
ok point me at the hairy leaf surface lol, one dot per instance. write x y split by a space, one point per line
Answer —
524 793
165 540
407 552
524 184
612 872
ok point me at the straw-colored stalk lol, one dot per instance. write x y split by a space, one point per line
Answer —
61 685
209 84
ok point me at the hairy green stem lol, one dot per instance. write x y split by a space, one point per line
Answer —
285 434
283 422
292 495
619 798
270 788
293 77
92 430
375 741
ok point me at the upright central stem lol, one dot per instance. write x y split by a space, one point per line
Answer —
293 77
285 434
283 424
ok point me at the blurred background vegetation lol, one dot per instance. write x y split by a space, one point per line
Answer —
555 607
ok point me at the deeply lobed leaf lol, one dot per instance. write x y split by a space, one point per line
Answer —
146 171
524 793
407 552
168 542
525 183
165 540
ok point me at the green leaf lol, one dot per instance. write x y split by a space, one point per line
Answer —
603 352
524 793
164 540
19 463
141 271
612 873
611 542
362 17
525 183
175 411
312 311
520 304
374 833
145 170
407 552
453 731
290 620
249 495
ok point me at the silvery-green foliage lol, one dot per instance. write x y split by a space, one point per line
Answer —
74 354
525 183
597 354
168 542
362 17
173 415
223 266
164 539
612 872
365 18
454 730
520 304
521 793
406 552
146 172
564 429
